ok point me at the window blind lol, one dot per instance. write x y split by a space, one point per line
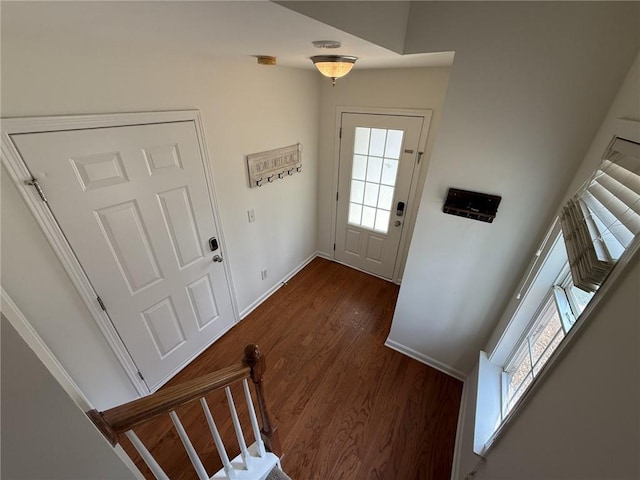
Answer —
600 221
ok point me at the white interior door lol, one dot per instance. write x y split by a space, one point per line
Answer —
134 204
377 158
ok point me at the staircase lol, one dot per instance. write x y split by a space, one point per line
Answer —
258 461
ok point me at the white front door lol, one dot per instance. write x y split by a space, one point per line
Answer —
134 204
377 161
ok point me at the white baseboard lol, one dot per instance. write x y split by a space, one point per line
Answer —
324 255
427 360
279 284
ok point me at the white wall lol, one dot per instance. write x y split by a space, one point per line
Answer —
409 88
583 420
246 108
44 433
380 22
530 84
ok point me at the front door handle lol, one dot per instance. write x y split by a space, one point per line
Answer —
217 259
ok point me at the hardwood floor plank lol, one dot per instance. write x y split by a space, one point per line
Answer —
346 406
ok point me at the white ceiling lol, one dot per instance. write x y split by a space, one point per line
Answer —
233 30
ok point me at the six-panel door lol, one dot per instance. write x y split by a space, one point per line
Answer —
134 204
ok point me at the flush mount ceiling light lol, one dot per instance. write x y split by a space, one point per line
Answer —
332 66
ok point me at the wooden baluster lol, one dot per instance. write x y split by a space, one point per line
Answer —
253 358
146 456
246 458
193 456
254 420
222 452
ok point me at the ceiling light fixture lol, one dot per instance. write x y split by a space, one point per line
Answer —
332 66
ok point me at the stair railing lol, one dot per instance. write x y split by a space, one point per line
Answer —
122 419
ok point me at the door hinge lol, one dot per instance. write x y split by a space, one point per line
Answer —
337 193
140 375
34 183
101 304
334 247
420 156
340 133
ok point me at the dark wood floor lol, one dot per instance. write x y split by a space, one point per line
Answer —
346 406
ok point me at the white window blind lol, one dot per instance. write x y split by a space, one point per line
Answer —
601 221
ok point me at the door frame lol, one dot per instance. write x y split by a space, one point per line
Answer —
19 173
416 182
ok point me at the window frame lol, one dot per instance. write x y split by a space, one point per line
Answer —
483 446
517 319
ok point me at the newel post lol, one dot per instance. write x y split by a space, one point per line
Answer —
254 359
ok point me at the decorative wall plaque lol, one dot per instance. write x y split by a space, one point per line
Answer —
265 167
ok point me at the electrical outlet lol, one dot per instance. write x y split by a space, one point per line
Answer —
252 215
263 274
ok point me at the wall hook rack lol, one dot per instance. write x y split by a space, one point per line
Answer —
274 164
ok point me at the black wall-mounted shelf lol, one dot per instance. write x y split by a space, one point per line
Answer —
474 205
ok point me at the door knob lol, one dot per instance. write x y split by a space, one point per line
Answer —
397 223
217 258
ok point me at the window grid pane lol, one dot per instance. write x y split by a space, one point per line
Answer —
545 332
385 199
548 351
357 191
374 169
545 336
368 217
394 144
389 172
371 194
518 393
373 177
355 214
377 142
359 169
361 143
518 373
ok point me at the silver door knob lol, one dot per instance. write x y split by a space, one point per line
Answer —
397 223
217 258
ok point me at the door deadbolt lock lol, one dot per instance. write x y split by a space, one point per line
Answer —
397 223
217 259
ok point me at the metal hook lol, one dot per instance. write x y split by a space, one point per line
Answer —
270 179
259 182
280 174
290 171
299 169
